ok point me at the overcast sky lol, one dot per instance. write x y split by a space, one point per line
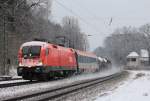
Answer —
94 15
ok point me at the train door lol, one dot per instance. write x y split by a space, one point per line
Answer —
60 58
77 62
47 56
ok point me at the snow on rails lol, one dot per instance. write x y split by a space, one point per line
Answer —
56 88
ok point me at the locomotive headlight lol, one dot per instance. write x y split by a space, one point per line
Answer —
39 63
20 64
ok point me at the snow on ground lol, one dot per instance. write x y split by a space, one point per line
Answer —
136 88
13 81
13 72
32 88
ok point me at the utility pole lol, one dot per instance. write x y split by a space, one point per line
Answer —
86 43
147 37
4 48
6 60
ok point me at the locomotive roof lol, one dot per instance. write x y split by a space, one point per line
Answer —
40 43
35 43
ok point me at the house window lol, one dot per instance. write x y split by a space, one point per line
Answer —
133 59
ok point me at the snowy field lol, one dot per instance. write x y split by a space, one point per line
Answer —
136 88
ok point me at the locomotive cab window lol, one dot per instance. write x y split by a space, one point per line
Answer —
31 51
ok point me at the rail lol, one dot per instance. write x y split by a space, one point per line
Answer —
64 90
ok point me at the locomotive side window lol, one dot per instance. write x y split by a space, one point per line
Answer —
84 59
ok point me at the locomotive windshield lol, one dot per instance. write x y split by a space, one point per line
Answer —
31 51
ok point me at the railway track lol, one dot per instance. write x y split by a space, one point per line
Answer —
20 83
3 79
53 93
5 85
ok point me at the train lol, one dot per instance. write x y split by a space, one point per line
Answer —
39 60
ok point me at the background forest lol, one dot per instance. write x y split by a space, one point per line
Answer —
25 20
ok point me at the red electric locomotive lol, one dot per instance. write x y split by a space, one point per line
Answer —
41 61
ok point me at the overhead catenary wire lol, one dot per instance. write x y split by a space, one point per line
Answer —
78 16
92 14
